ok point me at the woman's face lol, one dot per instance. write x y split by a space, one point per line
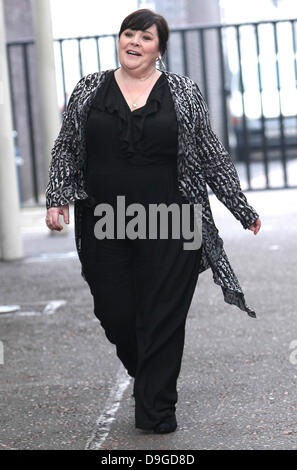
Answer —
144 44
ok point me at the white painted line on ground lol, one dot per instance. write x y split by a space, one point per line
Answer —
50 308
38 302
19 314
106 418
50 257
9 308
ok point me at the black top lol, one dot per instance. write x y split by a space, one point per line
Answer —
118 137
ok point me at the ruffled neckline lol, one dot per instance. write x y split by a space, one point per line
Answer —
131 123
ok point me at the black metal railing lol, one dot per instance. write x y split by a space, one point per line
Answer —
24 103
235 66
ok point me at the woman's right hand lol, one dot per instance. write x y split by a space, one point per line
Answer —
255 227
52 217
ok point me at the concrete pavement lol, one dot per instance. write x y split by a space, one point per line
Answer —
63 386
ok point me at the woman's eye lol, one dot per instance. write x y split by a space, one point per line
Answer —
128 34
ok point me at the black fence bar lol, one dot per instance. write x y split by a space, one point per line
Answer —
63 72
223 88
263 122
80 58
245 148
225 25
294 48
98 53
203 64
13 112
184 52
293 27
281 117
12 94
30 121
116 51
21 43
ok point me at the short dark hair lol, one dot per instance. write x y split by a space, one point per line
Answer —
144 18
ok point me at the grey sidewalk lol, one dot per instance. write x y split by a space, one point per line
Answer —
63 386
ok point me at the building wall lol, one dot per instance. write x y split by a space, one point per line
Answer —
19 26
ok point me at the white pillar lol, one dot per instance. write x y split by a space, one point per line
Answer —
10 231
48 99
203 13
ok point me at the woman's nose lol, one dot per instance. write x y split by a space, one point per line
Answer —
135 40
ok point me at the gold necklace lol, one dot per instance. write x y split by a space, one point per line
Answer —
134 101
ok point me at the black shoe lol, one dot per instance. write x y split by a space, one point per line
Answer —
167 425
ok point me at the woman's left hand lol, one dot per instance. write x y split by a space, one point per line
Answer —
255 227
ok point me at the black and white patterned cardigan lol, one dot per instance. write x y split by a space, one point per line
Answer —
201 159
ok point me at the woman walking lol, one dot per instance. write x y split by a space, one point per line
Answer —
144 134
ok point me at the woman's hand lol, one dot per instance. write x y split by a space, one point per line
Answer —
52 217
255 227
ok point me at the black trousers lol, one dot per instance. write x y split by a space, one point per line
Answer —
142 291
143 288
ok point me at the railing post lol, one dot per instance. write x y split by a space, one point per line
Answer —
10 234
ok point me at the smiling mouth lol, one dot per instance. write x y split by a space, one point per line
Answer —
133 53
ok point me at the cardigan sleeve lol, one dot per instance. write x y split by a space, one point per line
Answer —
219 170
62 186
